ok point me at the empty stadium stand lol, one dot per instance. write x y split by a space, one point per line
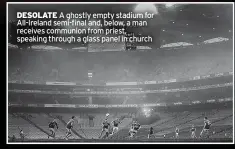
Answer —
121 66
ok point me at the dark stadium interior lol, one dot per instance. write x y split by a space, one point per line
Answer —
160 86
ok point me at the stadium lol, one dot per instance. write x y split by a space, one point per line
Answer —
174 85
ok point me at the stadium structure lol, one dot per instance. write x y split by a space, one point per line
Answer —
186 74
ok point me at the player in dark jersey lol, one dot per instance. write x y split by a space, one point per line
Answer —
105 128
150 132
69 127
177 133
134 129
206 128
52 126
193 132
115 123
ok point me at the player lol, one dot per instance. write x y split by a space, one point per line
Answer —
105 128
52 126
131 129
193 132
21 133
107 116
115 123
206 127
150 132
69 127
176 133
134 129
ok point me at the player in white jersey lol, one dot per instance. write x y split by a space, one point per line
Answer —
177 132
193 132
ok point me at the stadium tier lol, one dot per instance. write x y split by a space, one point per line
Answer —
15 121
71 66
166 129
35 126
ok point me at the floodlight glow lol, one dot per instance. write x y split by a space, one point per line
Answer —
146 8
146 111
168 5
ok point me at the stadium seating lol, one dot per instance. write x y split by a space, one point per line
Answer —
15 121
221 125
43 121
121 66
220 121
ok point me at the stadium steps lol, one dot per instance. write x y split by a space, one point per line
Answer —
164 119
62 126
85 130
30 131
213 122
92 133
34 124
13 122
170 125
222 119
75 132
175 118
198 121
124 118
228 132
216 131
123 133
174 125
214 128
62 130
169 131
43 121
126 122
82 123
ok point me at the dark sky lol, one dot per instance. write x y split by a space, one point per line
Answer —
201 18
